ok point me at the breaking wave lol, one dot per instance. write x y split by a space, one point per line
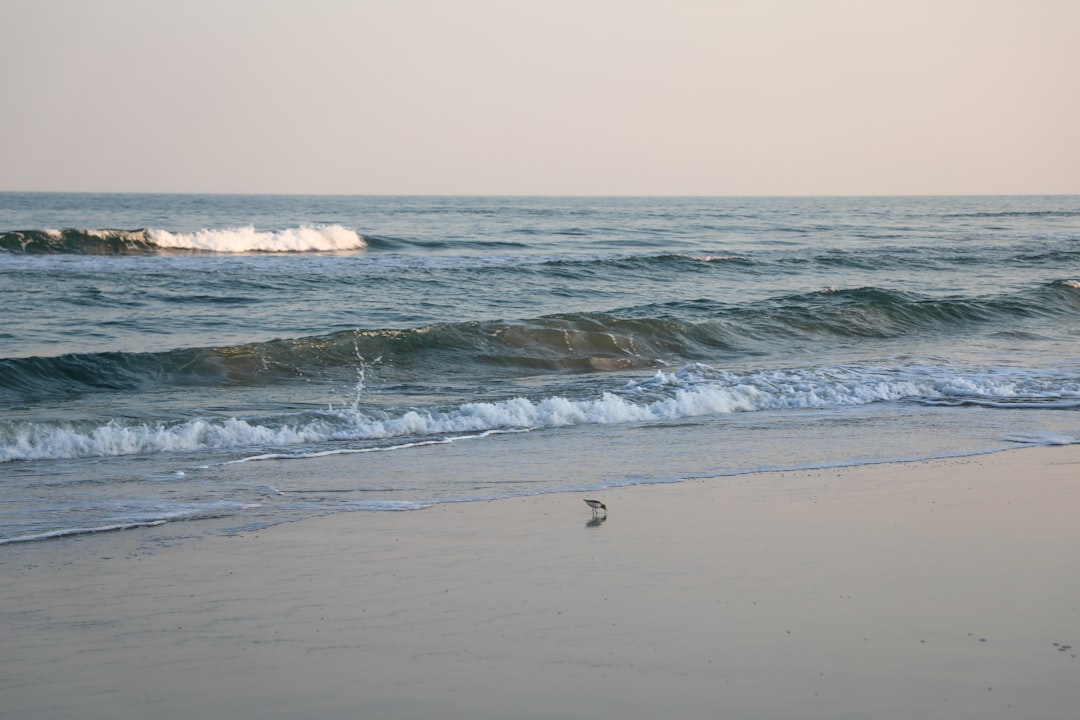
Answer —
694 391
642 338
328 238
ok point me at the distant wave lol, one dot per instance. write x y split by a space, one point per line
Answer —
326 238
1017 214
696 390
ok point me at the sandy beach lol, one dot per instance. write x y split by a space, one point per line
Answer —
936 589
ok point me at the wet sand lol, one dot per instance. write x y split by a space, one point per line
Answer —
938 589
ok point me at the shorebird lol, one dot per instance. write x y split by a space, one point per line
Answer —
596 505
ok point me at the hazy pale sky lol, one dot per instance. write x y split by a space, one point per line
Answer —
552 97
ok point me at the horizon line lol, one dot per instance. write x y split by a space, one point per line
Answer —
540 195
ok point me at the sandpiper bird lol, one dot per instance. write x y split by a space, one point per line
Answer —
596 505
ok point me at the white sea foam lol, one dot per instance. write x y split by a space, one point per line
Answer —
248 239
67 532
714 258
1047 438
360 451
694 391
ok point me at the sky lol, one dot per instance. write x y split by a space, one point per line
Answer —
544 97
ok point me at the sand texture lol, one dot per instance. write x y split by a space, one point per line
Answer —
937 589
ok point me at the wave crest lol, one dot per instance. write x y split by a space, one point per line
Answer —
653 336
695 391
248 239
306 238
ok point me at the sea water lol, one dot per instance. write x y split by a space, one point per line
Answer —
168 358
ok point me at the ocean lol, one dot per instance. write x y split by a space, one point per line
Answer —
186 358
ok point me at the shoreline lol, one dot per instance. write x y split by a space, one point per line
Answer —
930 588
340 463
